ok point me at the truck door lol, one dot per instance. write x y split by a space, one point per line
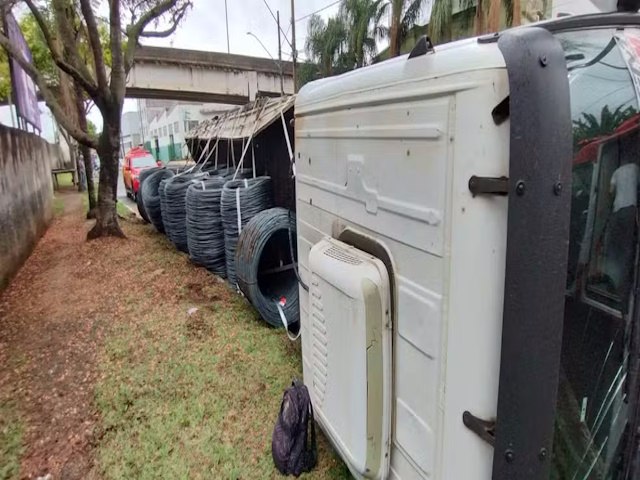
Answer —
596 401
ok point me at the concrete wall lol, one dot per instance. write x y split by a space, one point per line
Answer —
26 196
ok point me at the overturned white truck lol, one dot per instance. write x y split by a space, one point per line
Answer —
468 248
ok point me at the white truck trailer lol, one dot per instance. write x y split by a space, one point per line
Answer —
467 242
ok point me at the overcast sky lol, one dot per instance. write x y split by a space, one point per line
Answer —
204 28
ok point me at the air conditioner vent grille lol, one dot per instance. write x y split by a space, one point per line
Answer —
341 255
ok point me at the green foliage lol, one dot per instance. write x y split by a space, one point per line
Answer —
404 17
41 54
91 128
39 51
307 72
362 17
5 82
441 20
326 44
589 126
348 40
191 395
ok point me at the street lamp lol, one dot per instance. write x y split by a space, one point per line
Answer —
279 64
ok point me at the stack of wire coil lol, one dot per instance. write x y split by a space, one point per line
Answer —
205 236
241 201
151 197
174 214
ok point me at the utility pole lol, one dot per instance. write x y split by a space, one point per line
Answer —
293 45
280 55
226 16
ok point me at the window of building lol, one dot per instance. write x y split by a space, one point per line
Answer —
171 129
176 127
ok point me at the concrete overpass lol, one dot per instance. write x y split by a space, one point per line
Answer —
198 76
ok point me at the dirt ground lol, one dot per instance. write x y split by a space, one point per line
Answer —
49 336
110 375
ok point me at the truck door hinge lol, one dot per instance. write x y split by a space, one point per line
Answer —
488 185
485 429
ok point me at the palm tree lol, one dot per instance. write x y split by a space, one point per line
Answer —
589 126
441 19
326 44
363 20
404 16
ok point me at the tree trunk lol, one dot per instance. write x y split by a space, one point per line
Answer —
394 41
108 151
517 13
85 152
493 23
479 20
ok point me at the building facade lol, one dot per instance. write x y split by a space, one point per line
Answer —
165 123
130 132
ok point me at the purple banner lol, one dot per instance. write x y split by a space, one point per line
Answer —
23 87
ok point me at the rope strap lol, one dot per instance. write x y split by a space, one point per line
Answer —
293 338
238 210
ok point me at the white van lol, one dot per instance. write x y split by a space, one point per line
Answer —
467 232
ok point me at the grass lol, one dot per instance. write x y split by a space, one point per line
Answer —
65 180
123 210
191 396
58 206
11 443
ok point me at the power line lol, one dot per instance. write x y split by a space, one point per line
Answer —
276 20
318 11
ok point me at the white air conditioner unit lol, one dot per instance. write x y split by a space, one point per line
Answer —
349 328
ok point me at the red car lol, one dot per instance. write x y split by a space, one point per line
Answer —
136 160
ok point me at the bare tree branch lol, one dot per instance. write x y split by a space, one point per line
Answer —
80 76
74 130
177 17
135 30
94 42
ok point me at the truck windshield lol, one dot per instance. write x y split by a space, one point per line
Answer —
595 403
141 162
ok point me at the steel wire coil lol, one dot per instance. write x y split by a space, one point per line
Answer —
241 201
205 235
265 265
229 172
139 203
150 192
174 214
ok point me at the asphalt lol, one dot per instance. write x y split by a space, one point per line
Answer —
122 196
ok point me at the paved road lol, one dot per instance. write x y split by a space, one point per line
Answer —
122 196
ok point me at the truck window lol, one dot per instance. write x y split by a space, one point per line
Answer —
593 410
143 161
